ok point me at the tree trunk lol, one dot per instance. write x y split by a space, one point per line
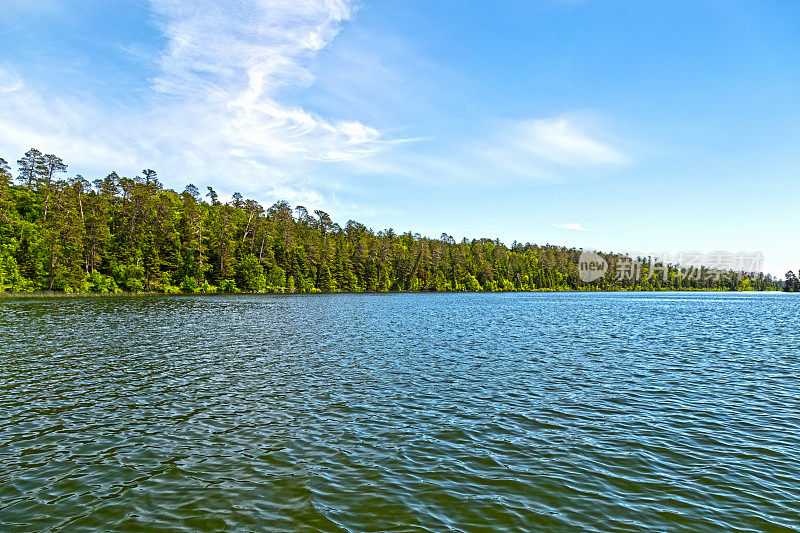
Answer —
261 251
46 202
247 228
222 247
52 260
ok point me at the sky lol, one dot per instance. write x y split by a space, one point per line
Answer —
635 126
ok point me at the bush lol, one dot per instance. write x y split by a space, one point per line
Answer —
207 287
304 285
189 284
165 284
228 285
97 282
251 275
10 277
276 279
129 277
471 283
70 278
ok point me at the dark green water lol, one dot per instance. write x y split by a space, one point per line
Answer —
405 412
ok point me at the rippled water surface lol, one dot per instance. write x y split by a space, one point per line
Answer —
402 412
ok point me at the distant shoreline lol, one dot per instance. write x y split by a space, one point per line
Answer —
58 295
132 235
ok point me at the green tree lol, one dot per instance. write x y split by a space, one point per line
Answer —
250 275
133 234
792 284
52 165
32 168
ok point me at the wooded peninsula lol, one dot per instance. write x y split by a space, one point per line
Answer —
119 234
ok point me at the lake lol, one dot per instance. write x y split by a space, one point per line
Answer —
401 412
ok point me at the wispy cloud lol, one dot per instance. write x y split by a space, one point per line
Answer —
228 63
546 147
222 109
572 226
60 125
565 142
543 150
215 107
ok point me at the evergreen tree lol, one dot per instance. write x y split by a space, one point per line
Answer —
122 233
32 168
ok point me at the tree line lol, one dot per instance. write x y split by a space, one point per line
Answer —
117 233
792 283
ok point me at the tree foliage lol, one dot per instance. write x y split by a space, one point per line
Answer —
792 284
131 234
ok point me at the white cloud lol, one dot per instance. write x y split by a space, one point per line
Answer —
572 226
221 110
541 150
547 148
55 125
565 142
215 112
226 63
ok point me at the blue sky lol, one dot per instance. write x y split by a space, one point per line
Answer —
637 126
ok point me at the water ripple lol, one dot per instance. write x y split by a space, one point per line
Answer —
408 412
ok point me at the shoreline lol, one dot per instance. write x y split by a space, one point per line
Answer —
57 295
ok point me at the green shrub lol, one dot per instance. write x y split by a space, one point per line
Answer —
189 284
97 282
250 276
276 278
227 285
129 277
10 277
207 287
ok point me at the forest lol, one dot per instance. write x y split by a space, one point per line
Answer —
130 234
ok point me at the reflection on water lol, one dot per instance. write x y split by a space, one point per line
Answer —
401 412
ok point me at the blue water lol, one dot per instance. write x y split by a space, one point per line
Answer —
401 412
